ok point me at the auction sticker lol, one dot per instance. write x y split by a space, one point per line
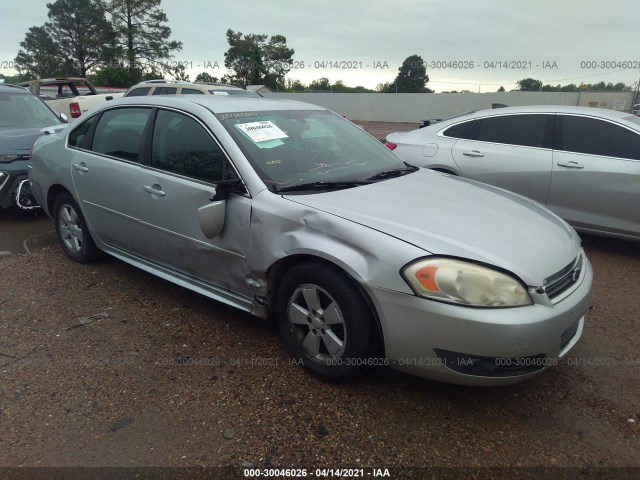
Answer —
262 131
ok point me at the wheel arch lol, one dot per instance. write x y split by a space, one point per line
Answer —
279 269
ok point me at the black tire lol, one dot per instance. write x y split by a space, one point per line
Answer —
330 338
73 233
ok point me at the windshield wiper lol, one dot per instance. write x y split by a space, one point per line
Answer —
396 172
302 187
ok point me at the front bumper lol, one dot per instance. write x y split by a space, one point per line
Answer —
456 344
14 186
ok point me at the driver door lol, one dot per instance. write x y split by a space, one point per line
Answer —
187 168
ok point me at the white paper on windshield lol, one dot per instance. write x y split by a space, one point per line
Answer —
261 131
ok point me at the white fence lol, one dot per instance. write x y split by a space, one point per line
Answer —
414 107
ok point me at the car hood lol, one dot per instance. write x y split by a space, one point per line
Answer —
454 216
20 140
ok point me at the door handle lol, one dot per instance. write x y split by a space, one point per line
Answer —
570 164
473 153
154 191
80 167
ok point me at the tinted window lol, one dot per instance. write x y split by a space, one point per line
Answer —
22 109
458 131
165 91
181 145
525 130
597 137
191 91
139 92
119 132
77 138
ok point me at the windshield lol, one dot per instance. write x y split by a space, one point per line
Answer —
20 110
296 147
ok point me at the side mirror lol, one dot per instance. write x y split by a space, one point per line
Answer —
211 218
63 117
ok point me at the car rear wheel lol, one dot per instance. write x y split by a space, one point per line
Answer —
323 320
72 230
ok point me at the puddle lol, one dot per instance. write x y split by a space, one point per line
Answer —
24 232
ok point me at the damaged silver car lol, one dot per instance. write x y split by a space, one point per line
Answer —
290 212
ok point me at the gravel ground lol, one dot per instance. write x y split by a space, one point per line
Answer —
106 365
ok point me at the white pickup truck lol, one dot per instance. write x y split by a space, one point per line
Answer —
72 96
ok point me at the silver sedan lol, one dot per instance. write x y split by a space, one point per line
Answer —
288 211
581 163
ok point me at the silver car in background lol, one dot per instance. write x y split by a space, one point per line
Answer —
582 163
288 211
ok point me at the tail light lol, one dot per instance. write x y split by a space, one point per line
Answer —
390 146
74 110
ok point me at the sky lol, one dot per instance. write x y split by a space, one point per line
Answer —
477 45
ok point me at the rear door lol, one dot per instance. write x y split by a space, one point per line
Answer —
508 151
107 175
596 174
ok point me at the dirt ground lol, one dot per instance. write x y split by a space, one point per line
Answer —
105 365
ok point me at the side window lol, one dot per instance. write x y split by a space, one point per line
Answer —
165 91
181 145
139 92
78 137
191 91
596 137
524 130
119 132
461 130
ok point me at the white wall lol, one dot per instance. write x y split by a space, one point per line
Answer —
414 107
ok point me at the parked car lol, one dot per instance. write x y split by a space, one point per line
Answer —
170 87
290 212
72 96
23 118
582 163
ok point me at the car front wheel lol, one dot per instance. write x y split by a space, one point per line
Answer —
72 230
323 320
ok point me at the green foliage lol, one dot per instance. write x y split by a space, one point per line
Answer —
529 85
142 34
256 60
501 89
412 77
76 39
295 86
204 77
117 76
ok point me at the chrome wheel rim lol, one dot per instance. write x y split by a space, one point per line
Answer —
315 319
70 229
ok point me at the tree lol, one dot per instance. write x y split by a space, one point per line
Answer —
501 89
142 33
295 86
255 60
76 39
39 56
529 85
321 84
204 77
412 77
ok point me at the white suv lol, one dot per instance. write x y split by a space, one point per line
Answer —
174 87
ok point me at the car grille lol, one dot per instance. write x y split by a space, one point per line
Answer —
560 282
568 334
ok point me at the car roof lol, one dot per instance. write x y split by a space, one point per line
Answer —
216 103
182 84
600 112
9 88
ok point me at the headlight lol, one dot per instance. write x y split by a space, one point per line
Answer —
464 283
9 158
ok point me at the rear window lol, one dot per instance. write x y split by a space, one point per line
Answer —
139 92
